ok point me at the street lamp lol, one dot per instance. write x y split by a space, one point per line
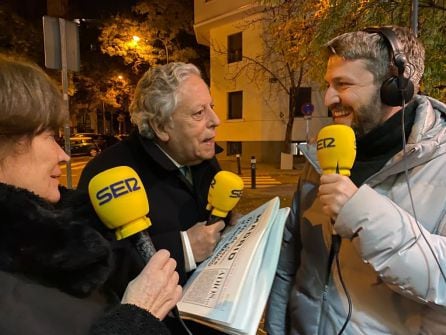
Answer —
136 39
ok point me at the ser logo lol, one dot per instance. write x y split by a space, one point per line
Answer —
116 190
236 194
328 142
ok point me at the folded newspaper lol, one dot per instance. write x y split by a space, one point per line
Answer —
229 290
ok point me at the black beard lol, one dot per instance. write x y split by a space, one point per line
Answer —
368 116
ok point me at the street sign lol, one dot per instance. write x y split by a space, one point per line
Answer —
307 109
57 32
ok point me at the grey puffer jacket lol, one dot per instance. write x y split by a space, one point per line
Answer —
386 258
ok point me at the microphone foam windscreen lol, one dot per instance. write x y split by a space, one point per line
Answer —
120 200
336 149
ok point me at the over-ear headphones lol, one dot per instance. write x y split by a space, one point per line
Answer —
395 89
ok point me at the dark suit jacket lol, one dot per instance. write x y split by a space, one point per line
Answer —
174 204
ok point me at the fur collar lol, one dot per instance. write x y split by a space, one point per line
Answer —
60 246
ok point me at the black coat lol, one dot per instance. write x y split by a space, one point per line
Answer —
54 261
175 205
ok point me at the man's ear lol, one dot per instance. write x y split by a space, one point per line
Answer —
160 131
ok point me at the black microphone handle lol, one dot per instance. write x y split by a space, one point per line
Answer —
144 245
212 219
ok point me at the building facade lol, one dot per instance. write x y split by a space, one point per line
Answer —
252 105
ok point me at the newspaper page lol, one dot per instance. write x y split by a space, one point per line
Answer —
229 290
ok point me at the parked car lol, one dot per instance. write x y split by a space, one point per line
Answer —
84 146
102 141
122 136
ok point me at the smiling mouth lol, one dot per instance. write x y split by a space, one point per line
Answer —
340 114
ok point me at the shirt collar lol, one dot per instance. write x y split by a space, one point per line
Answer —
168 156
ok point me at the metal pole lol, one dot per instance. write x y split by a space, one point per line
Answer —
414 17
253 172
167 53
104 126
307 128
63 51
239 167
112 130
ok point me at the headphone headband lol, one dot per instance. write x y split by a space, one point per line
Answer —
398 55
395 90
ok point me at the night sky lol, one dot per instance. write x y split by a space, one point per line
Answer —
100 8
92 9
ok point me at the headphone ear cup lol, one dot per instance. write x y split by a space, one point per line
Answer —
391 95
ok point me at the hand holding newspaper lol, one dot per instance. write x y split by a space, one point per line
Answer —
229 290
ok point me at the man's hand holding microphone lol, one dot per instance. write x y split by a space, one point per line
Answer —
336 151
224 193
120 201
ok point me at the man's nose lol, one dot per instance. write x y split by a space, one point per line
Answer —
214 120
331 97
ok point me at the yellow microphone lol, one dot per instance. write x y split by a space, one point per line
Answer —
336 149
225 192
120 201
336 152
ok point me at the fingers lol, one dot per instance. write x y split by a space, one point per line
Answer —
163 310
156 288
328 179
217 226
203 239
334 192
214 233
158 260
168 298
234 218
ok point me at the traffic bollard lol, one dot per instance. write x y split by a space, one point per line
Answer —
239 167
253 172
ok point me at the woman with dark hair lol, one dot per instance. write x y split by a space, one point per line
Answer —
55 254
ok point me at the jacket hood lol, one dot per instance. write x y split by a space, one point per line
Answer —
57 245
430 115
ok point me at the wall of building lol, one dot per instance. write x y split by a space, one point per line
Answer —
211 13
265 104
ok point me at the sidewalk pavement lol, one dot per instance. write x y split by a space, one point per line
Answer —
263 169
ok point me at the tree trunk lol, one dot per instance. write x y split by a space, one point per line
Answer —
293 103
